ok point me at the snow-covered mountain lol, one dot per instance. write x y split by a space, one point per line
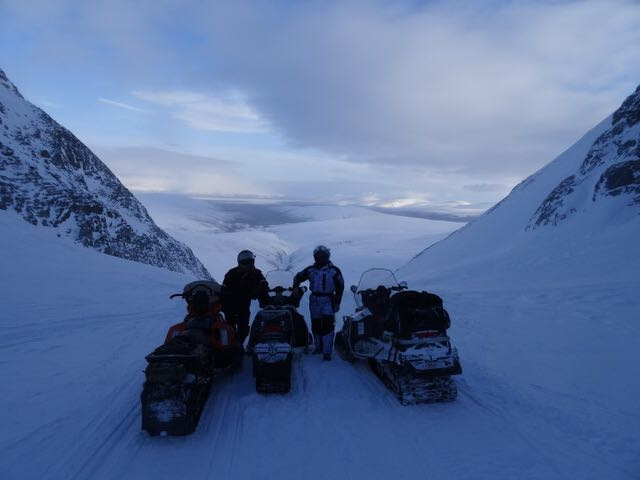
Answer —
576 219
283 234
53 180
610 173
543 294
545 319
78 324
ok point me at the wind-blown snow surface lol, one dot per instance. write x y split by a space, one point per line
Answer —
546 321
546 318
76 326
283 235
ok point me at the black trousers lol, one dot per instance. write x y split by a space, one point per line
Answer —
240 321
323 325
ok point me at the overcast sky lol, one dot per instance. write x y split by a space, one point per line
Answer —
384 102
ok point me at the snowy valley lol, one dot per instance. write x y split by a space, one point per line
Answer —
542 292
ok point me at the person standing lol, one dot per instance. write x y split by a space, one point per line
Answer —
327 286
242 284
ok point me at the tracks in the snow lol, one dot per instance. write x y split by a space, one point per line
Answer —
342 409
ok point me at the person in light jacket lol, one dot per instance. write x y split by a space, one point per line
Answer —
327 286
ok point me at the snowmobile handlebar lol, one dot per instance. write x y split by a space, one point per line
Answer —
397 288
280 289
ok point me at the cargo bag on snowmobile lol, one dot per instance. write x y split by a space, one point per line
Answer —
177 383
413 311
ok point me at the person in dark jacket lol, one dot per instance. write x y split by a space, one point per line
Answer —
242 284
327 286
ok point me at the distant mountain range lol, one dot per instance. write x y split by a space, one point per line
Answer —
51 179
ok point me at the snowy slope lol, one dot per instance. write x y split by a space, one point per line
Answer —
543 290
51 179
545 319
579 216
77 325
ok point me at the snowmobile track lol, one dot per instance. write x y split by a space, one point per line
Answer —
99 452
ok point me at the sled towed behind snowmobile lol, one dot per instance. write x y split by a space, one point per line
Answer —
180 372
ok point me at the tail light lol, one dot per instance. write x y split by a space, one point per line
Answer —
427 334
273 328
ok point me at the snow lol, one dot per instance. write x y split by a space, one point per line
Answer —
52 179
533 401
357 236
545 321
549 318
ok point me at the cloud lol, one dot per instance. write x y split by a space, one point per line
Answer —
121 105
451 93
487 187
224 113
155 170
453 85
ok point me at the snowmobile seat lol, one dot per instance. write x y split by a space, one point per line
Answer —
178 345
272 323
413 311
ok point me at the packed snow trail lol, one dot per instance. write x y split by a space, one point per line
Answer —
338 421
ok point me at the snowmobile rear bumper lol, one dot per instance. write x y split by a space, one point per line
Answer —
173 409
272 377
456 369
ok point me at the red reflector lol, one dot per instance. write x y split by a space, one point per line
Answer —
426 334
273 328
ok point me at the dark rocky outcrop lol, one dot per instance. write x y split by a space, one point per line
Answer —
52 179
611 168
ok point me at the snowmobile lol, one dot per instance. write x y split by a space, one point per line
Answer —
179 373
403 335
276 331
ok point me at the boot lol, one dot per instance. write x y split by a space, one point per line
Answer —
327 346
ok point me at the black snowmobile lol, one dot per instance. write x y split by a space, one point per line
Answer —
403 335
180 372
276 331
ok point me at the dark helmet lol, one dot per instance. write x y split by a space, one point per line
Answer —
246 258
321 254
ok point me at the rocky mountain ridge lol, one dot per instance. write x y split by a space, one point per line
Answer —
611 169
51 179
577 215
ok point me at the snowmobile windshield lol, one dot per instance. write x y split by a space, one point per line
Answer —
374 278
279 278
